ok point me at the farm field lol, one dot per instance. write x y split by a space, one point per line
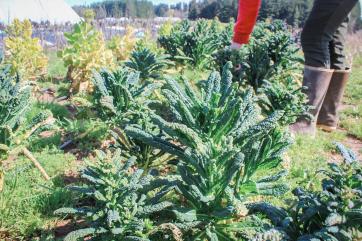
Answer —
156 140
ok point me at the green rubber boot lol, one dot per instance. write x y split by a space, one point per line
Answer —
328 117
317 81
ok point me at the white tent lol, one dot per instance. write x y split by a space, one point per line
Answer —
54 11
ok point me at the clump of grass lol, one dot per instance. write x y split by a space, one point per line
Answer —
27 201
351 118
56 68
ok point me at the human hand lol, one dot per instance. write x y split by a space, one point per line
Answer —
235 46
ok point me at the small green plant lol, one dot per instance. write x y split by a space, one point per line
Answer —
147 63
123 199
14 102
120 94
220 143
331 214
271 52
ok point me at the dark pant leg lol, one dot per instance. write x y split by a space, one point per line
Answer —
323 22
337 47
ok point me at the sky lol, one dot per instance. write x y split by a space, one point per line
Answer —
80 2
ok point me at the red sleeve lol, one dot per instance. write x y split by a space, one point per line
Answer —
247 15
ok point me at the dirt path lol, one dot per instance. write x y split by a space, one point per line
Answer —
350 142
354 144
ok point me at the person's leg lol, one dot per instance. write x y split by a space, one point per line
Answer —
324 20
328 116
320 28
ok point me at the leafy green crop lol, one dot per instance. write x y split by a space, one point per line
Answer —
119 95
333 214
121 99
270 64
14 101
271 52
287 97
195 45
147 63
220 143
122 197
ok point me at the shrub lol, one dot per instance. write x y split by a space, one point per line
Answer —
166 29
24 53
331 214
123 199
220 144
195 45
147 63
86 51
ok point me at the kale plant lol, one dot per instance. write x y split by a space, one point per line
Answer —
120 96
288 97
14 102
121 99
270 64
195 45
147 63
333 214
220 143
121 200
271 52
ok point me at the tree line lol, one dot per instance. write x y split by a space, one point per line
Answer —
294 12
132 9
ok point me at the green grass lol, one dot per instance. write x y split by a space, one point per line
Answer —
351 118
56 68
28 201
304 158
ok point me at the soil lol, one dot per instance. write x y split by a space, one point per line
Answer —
352 143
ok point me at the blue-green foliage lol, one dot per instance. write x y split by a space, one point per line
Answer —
148 64
123 199
122 99
220 142
195 45
270 64
120 96
14 102
287 96
333 214
272 52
